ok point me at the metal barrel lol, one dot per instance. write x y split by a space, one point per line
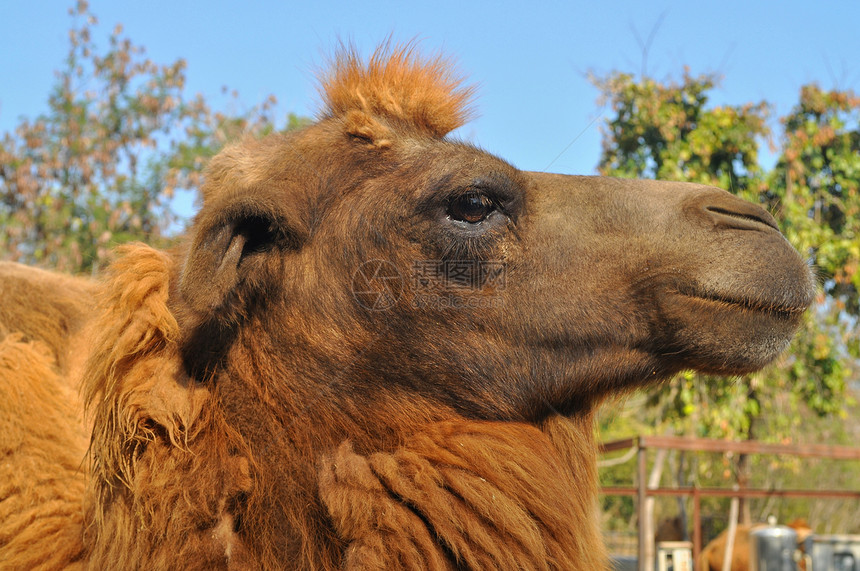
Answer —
773 549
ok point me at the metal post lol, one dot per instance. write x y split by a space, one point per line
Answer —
642 485
697 528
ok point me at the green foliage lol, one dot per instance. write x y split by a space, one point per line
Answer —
667 132
815 187
102 165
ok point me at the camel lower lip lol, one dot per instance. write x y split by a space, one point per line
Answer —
775 310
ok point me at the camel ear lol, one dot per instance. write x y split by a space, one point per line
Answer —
363 127
235 251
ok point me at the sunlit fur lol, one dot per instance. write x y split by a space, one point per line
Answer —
42 444
397 85
46 307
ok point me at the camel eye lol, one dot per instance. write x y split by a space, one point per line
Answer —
471 207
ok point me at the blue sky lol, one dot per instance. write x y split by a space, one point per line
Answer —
530 62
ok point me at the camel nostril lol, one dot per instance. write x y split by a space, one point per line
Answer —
750 217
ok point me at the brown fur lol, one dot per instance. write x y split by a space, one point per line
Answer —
248 411
46 307
159 464
397 85
42 448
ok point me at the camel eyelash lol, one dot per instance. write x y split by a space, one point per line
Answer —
472 207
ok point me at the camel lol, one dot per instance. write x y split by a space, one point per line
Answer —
255 399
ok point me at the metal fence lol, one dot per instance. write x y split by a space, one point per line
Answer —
645 547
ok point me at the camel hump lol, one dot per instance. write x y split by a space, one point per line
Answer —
44 307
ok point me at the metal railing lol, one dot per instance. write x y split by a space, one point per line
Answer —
641 491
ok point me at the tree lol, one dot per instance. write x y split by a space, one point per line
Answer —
101 167
668 131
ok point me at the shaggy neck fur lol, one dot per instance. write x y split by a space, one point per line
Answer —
169 478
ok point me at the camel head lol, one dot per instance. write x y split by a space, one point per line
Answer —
369 255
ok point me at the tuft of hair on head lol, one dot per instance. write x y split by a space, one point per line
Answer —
397 84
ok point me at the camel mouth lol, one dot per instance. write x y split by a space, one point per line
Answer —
780 310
